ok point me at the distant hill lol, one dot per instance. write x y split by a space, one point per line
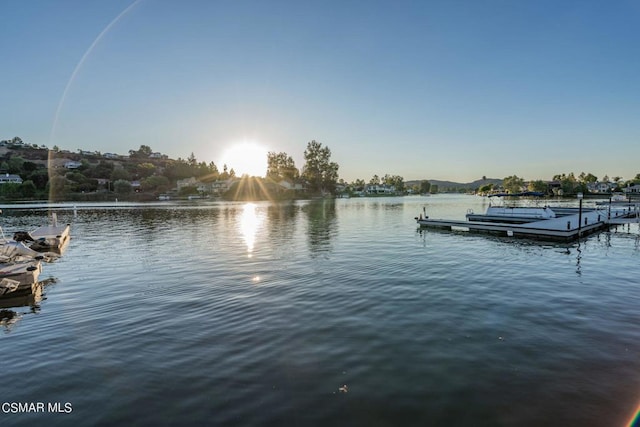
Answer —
445 185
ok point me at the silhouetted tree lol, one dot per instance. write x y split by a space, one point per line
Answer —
513 184
281 166
319 171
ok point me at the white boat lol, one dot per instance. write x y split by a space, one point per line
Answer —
20 259
19 299
18 277
522 211
618 199
10 249
515 214
52 238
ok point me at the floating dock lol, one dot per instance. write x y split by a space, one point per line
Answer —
21 261
19 299
570 226
51 238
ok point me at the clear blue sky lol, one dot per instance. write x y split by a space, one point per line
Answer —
423 89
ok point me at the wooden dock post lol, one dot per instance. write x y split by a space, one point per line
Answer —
580 216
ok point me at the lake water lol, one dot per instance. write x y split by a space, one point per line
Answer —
321 313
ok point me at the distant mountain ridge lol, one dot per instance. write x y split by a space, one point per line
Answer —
443 185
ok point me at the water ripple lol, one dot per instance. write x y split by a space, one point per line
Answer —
186 315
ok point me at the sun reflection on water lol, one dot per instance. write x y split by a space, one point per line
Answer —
249 223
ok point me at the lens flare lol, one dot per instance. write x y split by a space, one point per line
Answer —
246 158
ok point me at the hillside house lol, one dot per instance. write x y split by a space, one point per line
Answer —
72 164
10 179
187 182
293 186
601 187
222 186
380 189
632 189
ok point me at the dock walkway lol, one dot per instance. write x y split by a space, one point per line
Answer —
564 228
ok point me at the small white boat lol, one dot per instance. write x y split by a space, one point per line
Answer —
20 259
516 214
48 238
19 276
619 199
51 238
10 249
522 212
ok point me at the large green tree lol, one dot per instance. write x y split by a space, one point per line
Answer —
394 180
155 183
587 177
142 153
28 189
10 190
120 173
319 171
122 186
513 184
538 185
568 183
281 166
39 177
145 170
358 184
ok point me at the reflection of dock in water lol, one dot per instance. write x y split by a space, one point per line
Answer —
10 312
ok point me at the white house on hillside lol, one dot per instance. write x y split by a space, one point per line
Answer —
187 182
72 164
635 188
215 188
380 189
601 187
222 186
291 185
10 178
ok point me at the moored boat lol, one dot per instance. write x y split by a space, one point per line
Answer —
18 277
515 214
18 299
48 238
21 259
10 249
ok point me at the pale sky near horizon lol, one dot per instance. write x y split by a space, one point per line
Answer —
449 90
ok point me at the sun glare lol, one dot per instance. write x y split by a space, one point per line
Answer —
249 224
247 158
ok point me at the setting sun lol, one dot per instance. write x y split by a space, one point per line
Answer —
247 158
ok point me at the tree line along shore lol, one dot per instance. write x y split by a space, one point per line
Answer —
32 172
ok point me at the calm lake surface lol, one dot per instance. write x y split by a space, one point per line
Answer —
321 313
